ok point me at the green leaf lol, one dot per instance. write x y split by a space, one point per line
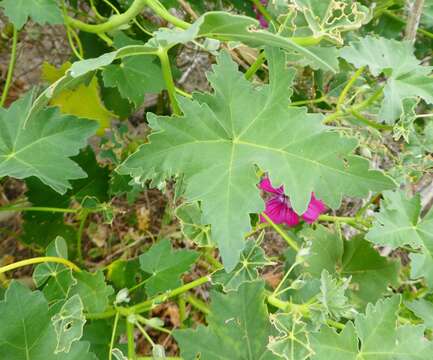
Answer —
237 127
238 328
406 77
193 228
49 139
333 297
218 25
292 343
325 250
40 11
134 77
83 100
165 266
398 222
93 290
378 334
69 323
329 345
424 310
370 273
328 18
30 334
56 279
252 259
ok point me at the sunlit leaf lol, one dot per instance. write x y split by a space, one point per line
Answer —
165 266
49 139
238 328
237 127
40 11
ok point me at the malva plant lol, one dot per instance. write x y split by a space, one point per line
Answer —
285 213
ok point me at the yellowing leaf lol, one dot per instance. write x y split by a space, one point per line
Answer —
83 101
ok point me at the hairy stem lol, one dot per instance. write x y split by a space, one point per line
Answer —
11 67
39 260
342 97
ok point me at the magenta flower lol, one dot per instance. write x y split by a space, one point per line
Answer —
279 209
259 16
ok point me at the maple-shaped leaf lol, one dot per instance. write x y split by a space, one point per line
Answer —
292 342
399 223
369 272
165 266
406 77
238 328
252 259
30 334
83 100
191 219
93 290
333 297
221 137
49 139
134 77
40 11
68 323
374 335
55 278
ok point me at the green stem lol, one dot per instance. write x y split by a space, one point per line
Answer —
131 341
340 113
198 304
39 260
307 102
345 219
113 336
11 67
342 97
168 78
263 10
302 309
370 123
160 10
38 209
151 303
292 243
84 216
114 22
255 66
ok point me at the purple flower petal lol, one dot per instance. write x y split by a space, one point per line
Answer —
266 185
315 208
292 218
278 210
